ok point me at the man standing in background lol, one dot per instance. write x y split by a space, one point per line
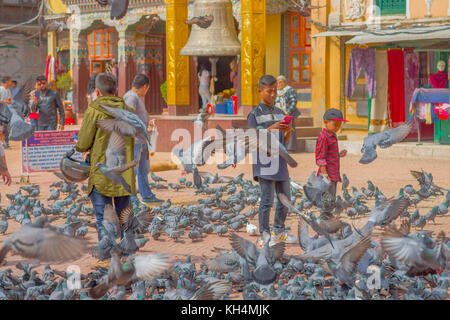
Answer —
47 103
5 97
134 98
14 88
112 68
91 84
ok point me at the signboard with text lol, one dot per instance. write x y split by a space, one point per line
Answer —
44 150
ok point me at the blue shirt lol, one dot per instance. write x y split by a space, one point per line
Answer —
263 117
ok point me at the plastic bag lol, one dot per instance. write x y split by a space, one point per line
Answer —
153 139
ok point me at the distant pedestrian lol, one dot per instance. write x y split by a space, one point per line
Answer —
14 89
134 98
6 98
91 96
4 168
203 89
287 101
47 103
34 116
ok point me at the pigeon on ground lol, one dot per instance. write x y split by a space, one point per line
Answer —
143 267
384 140
345 182
175 186
54 195
3 224
118 7
260 261
156 178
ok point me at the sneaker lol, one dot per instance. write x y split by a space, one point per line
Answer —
6 147
264 239
152 200
282 236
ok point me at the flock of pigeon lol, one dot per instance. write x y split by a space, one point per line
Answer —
338 262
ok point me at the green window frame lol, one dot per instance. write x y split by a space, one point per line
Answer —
391 6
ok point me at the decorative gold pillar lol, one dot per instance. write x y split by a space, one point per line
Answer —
253 49
177 34
51 43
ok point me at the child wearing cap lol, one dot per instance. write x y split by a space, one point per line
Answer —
327 152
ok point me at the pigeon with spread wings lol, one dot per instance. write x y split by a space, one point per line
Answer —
259 139
195 156
116 160
126 120
15 113
384 140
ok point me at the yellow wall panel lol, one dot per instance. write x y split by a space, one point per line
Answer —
273 41
57 5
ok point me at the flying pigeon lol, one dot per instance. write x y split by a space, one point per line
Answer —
384 140
141 266
196 155
388 211
131 119
261 140
118 7
315 188
419 253
20 130
33 241
116 161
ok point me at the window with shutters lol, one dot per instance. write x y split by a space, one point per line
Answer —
391 6
102 44
299 51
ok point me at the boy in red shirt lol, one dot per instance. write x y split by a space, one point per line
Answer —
327 152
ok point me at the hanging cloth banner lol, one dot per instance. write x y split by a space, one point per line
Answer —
379 107
361 59
396 72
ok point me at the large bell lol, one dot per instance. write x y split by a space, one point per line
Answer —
219 39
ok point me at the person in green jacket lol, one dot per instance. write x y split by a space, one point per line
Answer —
95 140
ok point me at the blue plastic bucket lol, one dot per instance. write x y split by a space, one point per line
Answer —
221 108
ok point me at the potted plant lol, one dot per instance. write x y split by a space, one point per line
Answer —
64 85
163 89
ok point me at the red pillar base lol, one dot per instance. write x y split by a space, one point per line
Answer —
179 110
246 110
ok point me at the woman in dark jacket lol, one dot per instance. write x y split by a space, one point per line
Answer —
287 101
